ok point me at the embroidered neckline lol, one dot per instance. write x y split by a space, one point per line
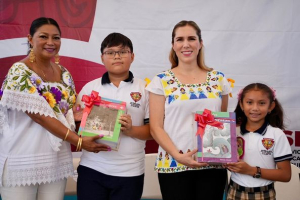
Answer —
208 76
62 69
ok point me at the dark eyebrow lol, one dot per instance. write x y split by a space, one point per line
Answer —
179 37
49 34
121 49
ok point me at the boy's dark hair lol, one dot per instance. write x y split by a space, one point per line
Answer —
116 39
275 118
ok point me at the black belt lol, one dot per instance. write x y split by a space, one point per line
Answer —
251 189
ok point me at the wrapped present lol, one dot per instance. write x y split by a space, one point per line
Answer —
216 137
101 117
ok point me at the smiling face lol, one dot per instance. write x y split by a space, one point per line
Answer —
45 42
117 65
186 44
256 105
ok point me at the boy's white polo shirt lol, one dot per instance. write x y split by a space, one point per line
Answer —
129 159
263 148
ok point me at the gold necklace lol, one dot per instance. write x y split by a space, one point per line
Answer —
44 73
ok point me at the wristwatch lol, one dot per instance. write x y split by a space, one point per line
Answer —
258 173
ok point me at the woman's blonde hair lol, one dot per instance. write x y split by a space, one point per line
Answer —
200 58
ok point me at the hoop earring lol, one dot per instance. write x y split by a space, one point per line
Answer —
56 59
31 56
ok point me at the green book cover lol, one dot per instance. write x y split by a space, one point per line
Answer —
104 120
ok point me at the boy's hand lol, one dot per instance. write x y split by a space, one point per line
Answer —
77 112
126 122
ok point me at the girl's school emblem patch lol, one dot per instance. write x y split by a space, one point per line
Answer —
136 96
268 143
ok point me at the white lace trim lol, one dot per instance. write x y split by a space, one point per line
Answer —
32 104
26 102
3 119
44 174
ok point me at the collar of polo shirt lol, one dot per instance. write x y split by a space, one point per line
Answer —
262 130
105 78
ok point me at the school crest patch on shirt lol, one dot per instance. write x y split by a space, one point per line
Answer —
268 143
136 96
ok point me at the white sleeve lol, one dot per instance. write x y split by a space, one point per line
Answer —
226 89
155 86
282 150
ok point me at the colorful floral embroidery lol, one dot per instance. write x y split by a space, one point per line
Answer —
60 96
174 166
175 90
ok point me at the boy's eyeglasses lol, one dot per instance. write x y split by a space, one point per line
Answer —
112 54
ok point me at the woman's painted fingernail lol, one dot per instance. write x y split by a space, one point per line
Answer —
108 149
78 108
101 135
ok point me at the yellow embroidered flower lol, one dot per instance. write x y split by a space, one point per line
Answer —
38 81
65 94
32 90
50 99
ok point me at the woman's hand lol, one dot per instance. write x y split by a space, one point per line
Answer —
90 144
77 112
187 159
126 124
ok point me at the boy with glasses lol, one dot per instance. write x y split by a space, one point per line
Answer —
112 175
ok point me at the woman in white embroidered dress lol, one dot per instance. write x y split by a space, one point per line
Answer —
37 121
189 86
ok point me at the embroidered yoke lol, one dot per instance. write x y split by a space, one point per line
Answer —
182 101
32 154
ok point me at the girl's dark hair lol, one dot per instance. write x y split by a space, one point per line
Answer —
37 23
275 118
116 39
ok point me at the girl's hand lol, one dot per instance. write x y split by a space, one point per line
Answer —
90 144
241 167
187 159
126 124
77 112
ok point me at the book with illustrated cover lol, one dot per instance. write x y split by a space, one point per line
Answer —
216 139
102 118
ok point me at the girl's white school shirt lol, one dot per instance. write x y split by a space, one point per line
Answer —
262 148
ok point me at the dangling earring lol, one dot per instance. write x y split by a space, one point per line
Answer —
31 56
56 59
